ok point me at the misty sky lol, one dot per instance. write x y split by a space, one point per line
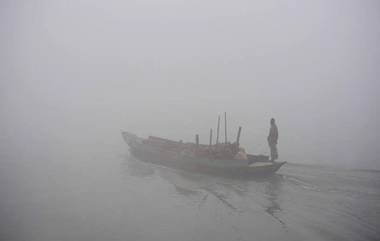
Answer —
73 73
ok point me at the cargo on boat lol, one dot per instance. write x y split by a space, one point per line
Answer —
218 159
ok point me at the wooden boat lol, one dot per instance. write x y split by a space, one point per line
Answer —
226 159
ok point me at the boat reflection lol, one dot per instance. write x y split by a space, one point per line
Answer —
136 168
233 194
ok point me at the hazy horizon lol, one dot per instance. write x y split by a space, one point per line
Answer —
73 73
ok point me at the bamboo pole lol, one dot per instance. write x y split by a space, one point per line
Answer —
238 136
217 131
210 137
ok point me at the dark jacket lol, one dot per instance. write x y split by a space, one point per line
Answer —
273 134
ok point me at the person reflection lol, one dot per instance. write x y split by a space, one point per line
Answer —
272 189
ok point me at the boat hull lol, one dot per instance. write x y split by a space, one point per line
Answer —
185 161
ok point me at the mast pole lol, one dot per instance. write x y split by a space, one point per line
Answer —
217 130
210 137
238 136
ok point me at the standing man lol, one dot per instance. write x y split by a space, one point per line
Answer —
272 140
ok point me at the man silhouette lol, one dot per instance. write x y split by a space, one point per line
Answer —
272 140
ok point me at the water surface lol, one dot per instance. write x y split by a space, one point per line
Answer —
116 197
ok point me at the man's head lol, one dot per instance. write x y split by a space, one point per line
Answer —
272 121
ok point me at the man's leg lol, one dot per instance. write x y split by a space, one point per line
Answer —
273 152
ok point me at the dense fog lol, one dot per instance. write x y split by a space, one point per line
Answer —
73 73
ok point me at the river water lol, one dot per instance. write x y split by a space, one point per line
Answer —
116 197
